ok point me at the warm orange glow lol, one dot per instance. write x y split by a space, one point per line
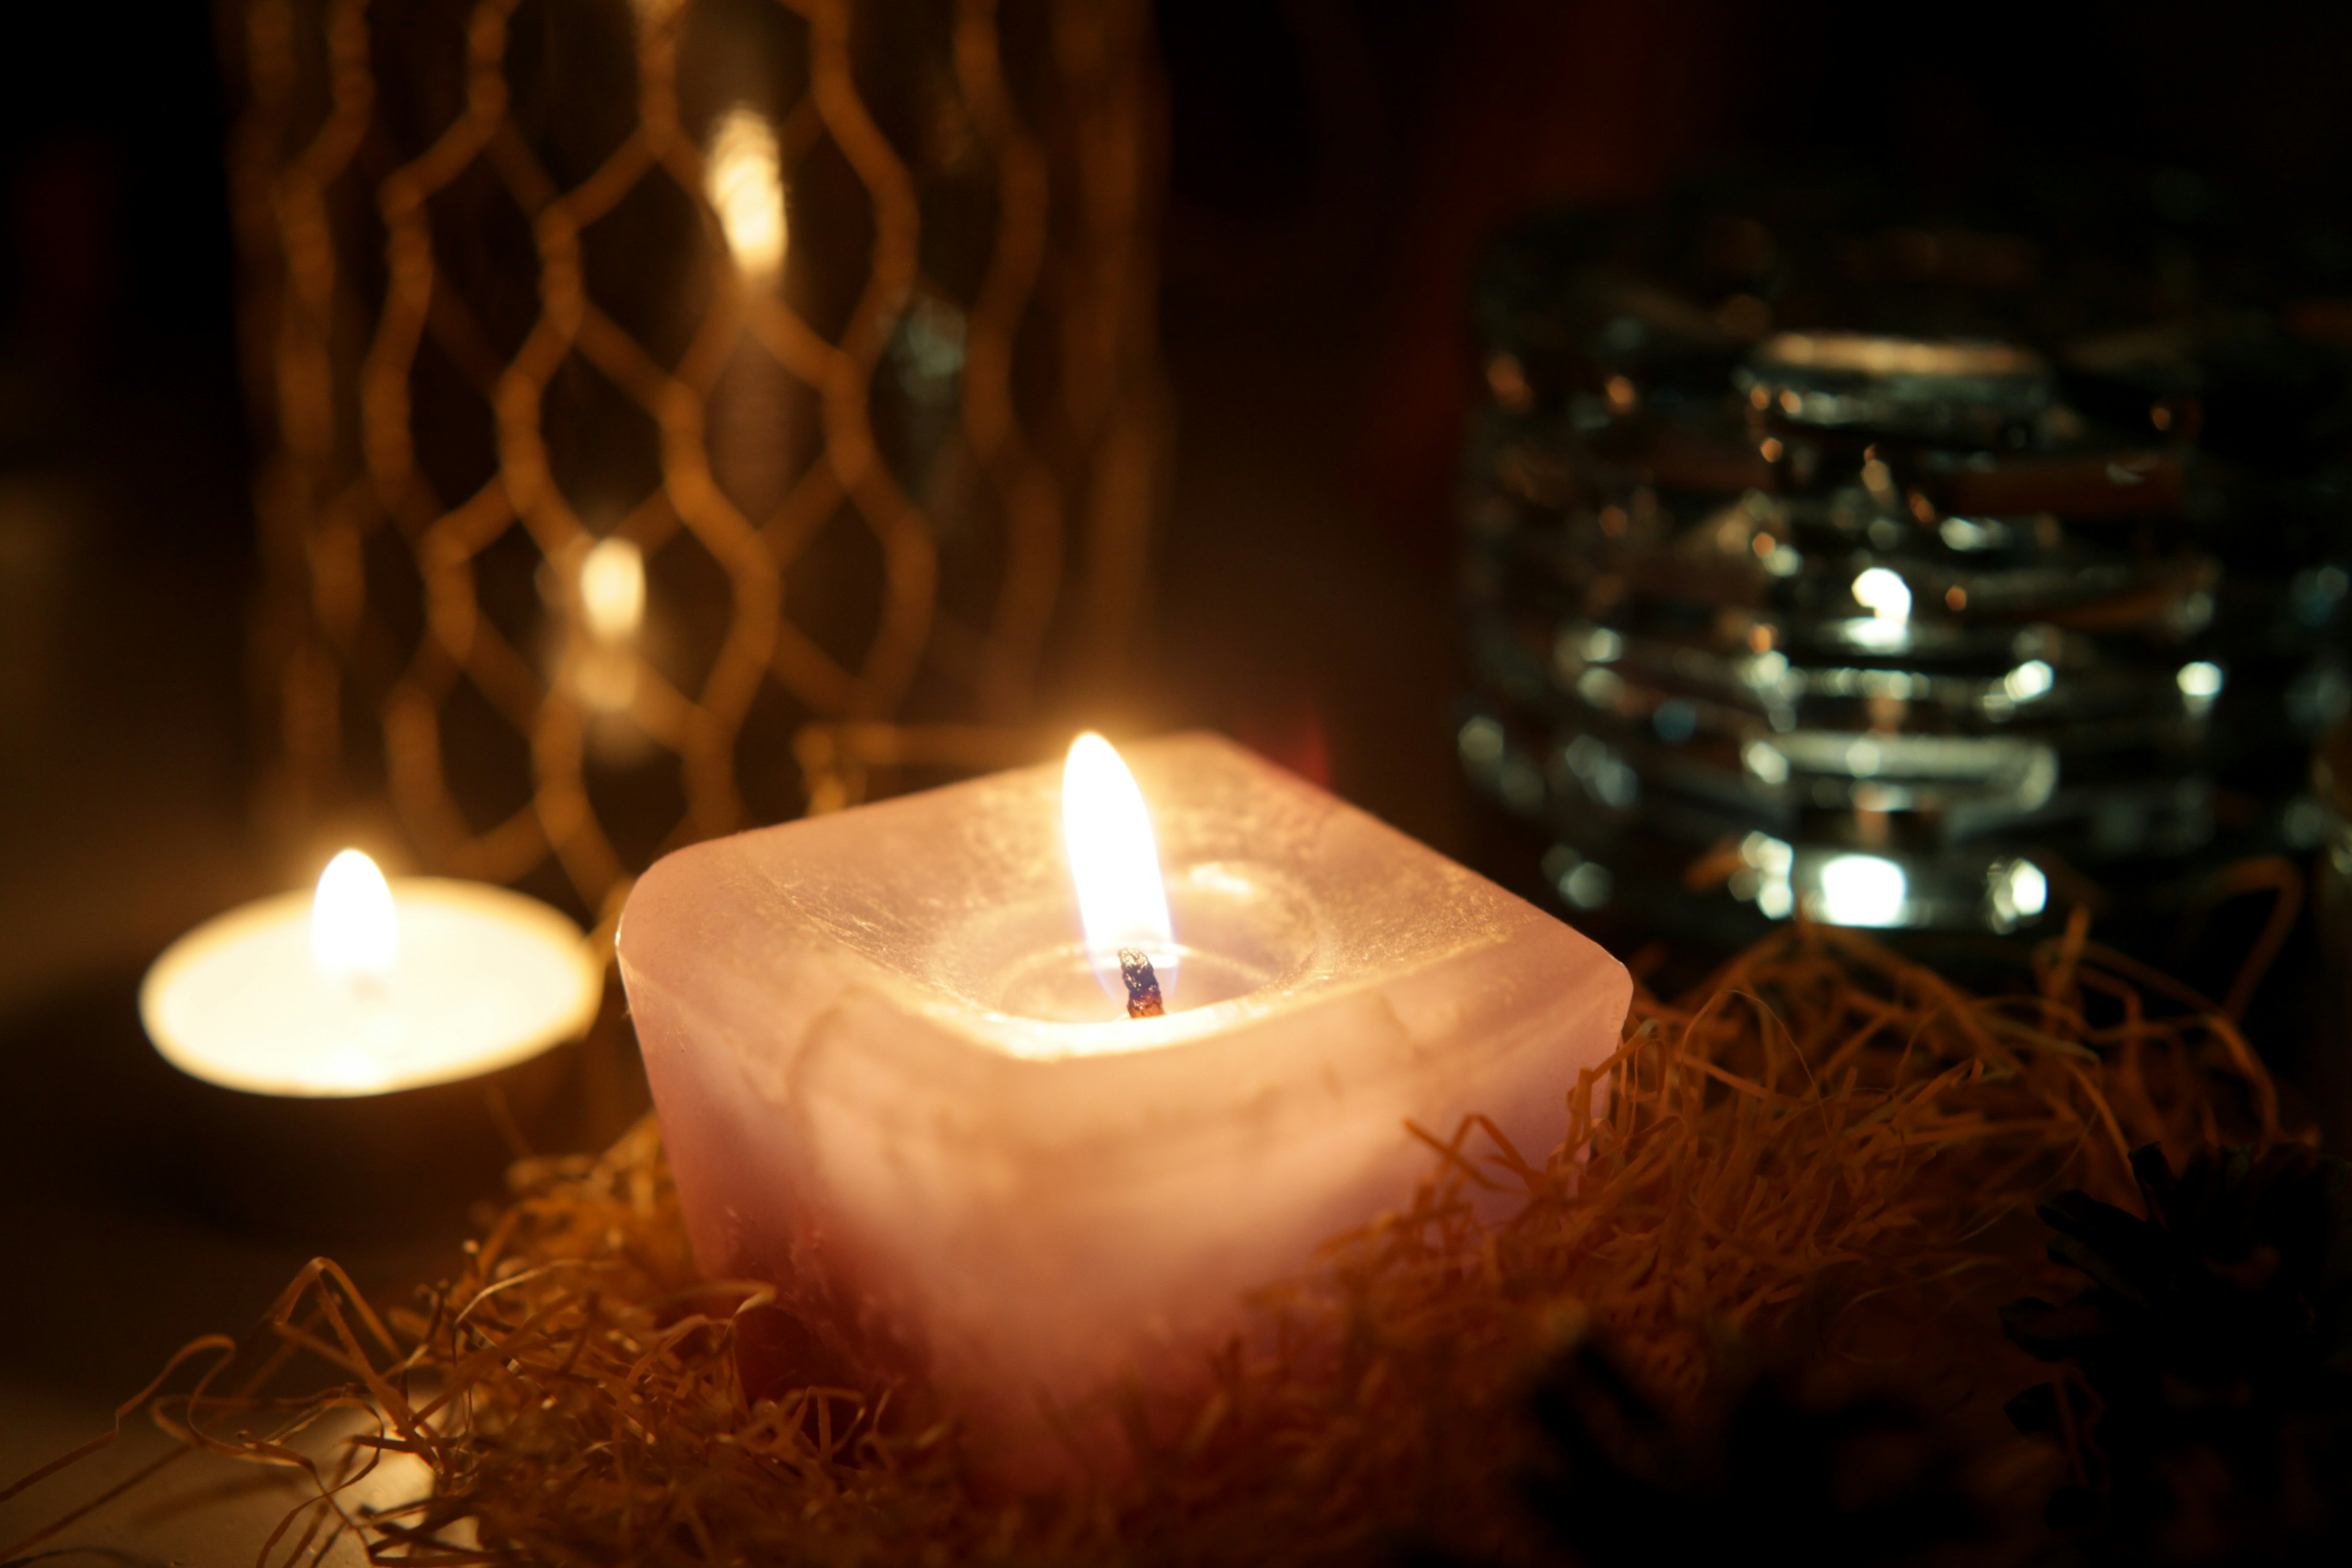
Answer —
1116 864
746 186
1872 355
354 935
613 590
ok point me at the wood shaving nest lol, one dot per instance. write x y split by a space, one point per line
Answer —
1826 1156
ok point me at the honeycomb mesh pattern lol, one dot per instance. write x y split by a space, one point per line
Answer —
838 315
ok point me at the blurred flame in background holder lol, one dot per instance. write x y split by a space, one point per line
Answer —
678 414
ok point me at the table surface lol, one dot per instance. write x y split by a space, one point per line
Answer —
119 1258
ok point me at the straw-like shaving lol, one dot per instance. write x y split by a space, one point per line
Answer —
1827 1156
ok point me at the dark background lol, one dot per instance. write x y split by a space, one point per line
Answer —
1333 168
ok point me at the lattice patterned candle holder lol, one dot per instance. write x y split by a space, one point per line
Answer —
678 413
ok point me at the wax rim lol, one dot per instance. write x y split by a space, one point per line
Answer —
245 921
1194 890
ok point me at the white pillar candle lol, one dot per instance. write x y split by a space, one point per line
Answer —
366 988
894 1085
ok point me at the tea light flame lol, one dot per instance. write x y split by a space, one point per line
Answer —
355 936
745 184
1122 902
613 590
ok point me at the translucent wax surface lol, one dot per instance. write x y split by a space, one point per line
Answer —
485 978
892 1087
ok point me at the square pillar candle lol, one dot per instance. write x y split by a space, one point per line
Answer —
902 1084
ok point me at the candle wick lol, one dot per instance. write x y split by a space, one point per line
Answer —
1143 984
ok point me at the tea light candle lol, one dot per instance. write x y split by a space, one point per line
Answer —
365 988
899 1082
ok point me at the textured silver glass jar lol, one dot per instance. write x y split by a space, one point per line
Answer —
1876 624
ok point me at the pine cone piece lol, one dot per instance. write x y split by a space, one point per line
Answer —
1618 1481
2209 1404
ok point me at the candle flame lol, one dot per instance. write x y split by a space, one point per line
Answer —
745 184
1122 903
613 590
353 932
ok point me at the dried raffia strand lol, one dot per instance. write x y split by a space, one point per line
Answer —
1826 1152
